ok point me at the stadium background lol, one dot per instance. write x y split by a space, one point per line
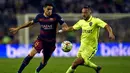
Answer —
112 55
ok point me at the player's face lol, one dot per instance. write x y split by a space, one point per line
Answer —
86 12
48 10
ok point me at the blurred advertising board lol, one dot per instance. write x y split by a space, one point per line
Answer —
104 49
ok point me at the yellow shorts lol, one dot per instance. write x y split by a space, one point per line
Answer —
86 52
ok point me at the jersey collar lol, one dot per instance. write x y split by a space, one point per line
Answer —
89 19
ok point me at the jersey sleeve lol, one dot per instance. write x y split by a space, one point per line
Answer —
101 23
77 26
60 19
35 20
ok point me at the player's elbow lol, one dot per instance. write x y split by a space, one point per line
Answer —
30 23
107 26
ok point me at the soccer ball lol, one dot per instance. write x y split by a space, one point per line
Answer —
66 46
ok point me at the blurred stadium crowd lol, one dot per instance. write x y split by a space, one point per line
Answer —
9 9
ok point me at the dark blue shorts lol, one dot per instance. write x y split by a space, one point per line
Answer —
47 47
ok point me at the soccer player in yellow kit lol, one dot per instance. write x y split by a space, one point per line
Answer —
89 39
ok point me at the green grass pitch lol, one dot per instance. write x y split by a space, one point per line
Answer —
60 65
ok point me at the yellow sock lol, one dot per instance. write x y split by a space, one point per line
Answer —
90 64
70 70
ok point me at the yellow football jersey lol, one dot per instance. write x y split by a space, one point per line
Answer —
90 30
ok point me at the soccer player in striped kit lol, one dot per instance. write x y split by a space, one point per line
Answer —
46 40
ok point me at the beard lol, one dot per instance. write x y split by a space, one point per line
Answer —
84 17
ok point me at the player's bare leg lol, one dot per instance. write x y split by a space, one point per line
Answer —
75 64
27 60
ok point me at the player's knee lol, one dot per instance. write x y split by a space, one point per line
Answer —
33 52
76 63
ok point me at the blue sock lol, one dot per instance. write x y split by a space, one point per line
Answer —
24 63
40 67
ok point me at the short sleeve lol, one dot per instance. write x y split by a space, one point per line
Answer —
101 23
60 19
77 26
35 20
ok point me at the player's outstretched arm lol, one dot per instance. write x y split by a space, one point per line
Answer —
109 29
15 30
70 29
65 28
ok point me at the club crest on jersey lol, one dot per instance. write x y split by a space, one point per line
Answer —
90 24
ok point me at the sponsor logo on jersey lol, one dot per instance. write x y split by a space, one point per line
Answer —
47 26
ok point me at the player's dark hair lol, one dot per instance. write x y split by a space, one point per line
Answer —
48 4
87 6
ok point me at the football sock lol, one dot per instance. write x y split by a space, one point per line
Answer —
24 63
90 64
70 70
40 67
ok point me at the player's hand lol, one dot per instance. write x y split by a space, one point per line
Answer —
111 36
13 30
65 28
62 30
